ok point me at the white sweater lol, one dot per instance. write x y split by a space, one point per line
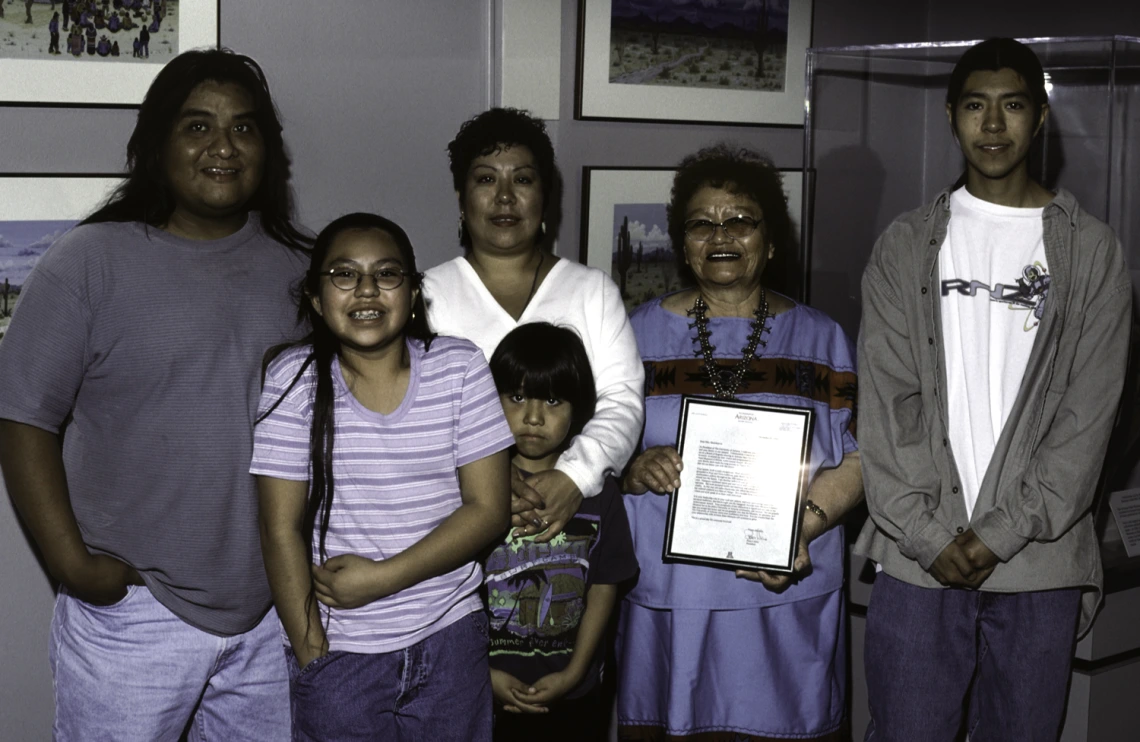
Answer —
572 295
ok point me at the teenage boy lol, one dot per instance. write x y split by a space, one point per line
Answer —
992 355
129 378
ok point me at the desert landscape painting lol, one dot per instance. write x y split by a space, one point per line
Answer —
726 44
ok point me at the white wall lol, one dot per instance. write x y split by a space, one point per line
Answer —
371 92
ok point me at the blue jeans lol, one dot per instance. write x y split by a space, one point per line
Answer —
938 658
135 671
438 690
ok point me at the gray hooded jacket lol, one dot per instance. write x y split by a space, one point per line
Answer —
1034 505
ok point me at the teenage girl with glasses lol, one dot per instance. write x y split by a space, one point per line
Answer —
381 457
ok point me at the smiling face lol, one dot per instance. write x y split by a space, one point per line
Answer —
501 203
366 318
539 427
995 121
722 262
213 160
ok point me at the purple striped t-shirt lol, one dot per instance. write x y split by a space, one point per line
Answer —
395 478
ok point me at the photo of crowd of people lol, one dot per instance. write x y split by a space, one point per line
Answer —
132 30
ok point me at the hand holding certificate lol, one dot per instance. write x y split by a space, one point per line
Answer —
742 484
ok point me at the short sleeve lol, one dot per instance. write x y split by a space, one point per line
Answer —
482 427
281 435
43 355
613 559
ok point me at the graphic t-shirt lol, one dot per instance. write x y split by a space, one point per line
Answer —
995 283
536 593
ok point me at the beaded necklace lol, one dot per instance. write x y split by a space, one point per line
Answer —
725 381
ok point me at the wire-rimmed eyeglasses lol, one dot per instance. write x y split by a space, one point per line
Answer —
347 279
737 228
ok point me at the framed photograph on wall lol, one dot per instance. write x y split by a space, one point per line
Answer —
105 56
35 211
624 231
693 61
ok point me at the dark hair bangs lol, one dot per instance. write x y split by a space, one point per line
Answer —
549 381
547 362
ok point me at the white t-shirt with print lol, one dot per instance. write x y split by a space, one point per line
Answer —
994 283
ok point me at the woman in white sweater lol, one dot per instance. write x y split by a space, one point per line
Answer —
502 165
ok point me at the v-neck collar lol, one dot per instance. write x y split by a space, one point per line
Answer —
472 277
415 354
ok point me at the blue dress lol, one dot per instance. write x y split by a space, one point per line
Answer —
699 650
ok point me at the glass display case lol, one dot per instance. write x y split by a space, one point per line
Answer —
877 143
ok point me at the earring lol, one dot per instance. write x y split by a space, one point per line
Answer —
542 230
460 237
413 314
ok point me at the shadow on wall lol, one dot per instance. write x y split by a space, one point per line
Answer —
853 176
1123 458
1047 156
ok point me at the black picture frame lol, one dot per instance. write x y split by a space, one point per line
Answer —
671 553
599 96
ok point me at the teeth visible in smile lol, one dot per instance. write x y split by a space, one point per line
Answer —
365 314
722 255
220 171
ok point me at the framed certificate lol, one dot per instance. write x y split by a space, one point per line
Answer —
740 502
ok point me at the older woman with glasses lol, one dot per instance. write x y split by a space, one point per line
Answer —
502 166
701 649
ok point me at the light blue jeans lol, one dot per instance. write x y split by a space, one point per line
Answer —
135 671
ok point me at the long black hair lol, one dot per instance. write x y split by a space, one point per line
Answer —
326 346
146 195
544 361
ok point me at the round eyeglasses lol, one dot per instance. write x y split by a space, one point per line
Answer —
737 228
347 279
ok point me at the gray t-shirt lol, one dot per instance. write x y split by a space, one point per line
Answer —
145 350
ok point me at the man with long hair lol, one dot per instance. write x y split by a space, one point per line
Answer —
991 360
128 385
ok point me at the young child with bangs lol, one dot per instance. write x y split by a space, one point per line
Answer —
550 603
